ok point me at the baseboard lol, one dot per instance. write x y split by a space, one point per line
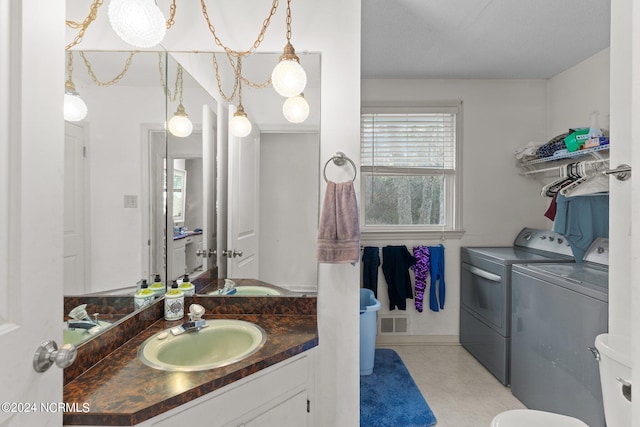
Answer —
385 340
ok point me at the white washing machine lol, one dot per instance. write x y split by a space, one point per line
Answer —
557 312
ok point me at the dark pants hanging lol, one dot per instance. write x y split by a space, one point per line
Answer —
396 261
437 289
370 264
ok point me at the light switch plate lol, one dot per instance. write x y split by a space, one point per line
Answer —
130 201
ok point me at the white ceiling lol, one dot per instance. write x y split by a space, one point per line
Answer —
487 39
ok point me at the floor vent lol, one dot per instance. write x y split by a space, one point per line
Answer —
394 325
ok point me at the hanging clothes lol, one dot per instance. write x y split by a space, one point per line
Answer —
396 261
421 270
437 288
370 264
581 220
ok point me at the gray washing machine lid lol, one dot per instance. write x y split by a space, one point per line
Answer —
588 279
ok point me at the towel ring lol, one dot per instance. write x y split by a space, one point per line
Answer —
339 160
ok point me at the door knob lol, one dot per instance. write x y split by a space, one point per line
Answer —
48 354
206 253
231 253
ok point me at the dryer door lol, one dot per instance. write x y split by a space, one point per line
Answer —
484 292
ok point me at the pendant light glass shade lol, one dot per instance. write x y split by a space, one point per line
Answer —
288 77
74 107
180 125
140 23
239 125
296 109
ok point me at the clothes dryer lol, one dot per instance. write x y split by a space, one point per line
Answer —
485 293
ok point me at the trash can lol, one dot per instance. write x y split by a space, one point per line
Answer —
369 307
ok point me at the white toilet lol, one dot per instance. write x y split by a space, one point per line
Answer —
615 369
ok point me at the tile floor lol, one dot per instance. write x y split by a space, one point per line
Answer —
459 390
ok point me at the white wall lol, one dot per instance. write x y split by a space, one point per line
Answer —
115 116
289 182
498 116
575 93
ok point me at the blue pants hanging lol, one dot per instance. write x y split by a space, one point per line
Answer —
370 264
437 289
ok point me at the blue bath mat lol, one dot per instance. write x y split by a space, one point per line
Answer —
390 398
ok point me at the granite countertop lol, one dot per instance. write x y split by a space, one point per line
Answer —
121 390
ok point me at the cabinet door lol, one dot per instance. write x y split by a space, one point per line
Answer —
179 261
290 413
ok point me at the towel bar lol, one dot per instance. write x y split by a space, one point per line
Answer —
339 159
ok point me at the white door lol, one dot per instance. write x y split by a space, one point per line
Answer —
209 190
31 206
74 277
243 216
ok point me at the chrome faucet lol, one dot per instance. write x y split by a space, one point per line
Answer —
85 323
196 322
81 320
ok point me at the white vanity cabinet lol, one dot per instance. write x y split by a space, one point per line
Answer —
184 258
279 396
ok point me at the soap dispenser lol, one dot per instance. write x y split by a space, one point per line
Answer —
157 286
186 286
174 303
143 296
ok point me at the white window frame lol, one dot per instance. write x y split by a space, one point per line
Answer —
453 181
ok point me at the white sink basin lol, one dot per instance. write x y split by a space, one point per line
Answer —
79 335
220 343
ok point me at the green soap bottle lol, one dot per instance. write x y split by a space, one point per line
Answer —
157 286
143 296
186 286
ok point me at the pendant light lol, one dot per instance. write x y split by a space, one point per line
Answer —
139 23
296 109
288 77
180 125
239 125
75 108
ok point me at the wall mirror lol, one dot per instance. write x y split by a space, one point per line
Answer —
117 231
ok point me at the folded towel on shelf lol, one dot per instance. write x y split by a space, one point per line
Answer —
339 228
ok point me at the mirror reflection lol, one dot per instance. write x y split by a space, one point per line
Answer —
240 208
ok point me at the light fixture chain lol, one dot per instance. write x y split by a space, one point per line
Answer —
93 13
179 81
256 85
238 75
235 72
114 80
69 66
172 14
167 91
289 21
256 43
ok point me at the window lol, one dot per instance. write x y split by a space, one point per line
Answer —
179 194
408 165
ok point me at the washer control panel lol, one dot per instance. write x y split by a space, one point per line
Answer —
543 240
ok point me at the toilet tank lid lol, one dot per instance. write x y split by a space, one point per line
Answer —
616 348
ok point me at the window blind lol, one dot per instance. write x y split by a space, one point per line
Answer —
408 140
